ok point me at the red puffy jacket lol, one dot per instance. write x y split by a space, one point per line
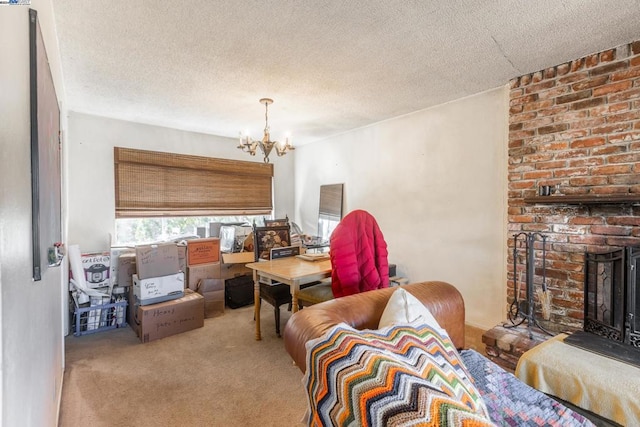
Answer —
358 255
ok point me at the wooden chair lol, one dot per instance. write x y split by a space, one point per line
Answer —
343 240
315 293
276 295
280 294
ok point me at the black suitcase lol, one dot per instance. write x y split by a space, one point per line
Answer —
239 291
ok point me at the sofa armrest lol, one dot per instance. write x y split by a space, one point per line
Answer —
364 310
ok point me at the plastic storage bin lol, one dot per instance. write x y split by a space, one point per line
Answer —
89 320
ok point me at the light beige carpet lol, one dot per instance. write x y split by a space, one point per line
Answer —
218 375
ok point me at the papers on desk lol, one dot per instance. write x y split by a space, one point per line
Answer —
314 257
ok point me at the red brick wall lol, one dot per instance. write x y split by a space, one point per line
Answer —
576 125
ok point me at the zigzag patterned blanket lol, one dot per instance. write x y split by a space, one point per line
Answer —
396 376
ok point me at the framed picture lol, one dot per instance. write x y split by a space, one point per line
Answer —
267 238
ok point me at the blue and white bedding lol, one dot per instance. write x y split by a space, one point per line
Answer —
510 402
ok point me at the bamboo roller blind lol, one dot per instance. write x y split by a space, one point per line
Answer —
331 200
150 183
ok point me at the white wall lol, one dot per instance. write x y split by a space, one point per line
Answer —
91 175
436 182
32 340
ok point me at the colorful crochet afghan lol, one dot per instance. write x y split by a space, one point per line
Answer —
404 375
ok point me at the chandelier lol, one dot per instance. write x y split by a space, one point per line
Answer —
266 145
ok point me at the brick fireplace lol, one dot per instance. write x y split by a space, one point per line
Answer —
575 126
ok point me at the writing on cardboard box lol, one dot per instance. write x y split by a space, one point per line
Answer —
162 312
179 321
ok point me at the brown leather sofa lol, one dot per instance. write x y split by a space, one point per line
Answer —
364 310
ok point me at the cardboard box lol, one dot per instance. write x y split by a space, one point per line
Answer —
210 285
203 251
229 271
158 289
196 273
157 260
213 303
233 264
161 320
126 263
115 263
96 266
182 257
238 258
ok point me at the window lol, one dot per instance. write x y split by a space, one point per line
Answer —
137 231
166 196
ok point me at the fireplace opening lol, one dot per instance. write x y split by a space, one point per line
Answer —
611 305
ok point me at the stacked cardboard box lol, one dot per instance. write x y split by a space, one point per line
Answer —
151 278
158 276
155 321
204 274
203 251
233 264
123 267
182 257
160 306
212 290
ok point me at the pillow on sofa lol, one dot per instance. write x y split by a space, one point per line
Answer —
397 375
403 308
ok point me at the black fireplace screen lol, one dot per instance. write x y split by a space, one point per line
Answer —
611 302
633 295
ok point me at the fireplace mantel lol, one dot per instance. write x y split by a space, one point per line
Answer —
585 199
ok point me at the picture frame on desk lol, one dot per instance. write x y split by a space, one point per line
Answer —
267 238
284 252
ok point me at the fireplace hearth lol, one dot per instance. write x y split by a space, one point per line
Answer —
612 305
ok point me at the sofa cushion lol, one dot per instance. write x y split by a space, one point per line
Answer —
396 375
403 308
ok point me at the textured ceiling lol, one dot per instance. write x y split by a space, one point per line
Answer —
331 66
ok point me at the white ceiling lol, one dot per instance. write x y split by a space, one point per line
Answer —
331 65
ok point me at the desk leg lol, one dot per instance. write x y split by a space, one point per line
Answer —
294 296
256 303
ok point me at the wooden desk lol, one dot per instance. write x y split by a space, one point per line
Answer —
291 271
